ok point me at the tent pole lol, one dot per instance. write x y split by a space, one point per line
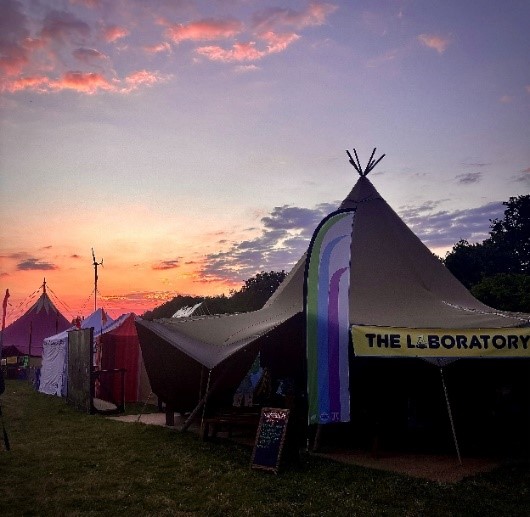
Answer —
450 417
201 382
204 399
204 405
201 403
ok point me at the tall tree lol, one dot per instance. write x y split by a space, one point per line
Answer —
256 291
466 262
510 236
497 271
506 250
504 291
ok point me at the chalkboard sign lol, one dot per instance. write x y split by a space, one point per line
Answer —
270 438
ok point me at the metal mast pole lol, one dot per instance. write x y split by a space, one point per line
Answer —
95 264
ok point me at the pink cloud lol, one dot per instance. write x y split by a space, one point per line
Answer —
438 43
278 42
204 30
87 83
113 33
62 54
506 99
82 82
247 51
315 14
161 47
14 54
527 88
36 83
238 52
13 58
142 77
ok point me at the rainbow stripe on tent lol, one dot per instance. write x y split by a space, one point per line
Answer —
327 319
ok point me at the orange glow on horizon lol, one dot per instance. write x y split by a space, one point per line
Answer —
119 294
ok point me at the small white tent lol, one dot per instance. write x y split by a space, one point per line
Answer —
55 354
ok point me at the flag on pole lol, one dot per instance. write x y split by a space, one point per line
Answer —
327 285
4 310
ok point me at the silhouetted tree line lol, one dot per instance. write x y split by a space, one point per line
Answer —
497 271
250 297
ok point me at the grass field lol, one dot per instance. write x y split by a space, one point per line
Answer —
63 462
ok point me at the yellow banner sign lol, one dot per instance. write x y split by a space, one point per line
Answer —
405 342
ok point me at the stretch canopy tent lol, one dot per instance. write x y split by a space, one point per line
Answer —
393 280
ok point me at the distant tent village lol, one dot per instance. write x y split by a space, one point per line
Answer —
369 338
35 347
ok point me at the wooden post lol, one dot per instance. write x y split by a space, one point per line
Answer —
170 415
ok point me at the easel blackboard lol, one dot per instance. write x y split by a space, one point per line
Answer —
270 438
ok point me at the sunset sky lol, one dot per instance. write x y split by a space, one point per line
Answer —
192 144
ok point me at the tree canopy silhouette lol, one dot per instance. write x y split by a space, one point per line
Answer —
497 271
250 297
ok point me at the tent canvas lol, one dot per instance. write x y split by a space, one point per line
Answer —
54 366
42 320
394 281
120 348
117 346
184 355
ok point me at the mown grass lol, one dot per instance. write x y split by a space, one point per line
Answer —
63 462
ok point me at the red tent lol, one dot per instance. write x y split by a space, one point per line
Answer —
28 332
120 348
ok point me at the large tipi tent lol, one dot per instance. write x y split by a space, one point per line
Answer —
54 366
42 320
394 281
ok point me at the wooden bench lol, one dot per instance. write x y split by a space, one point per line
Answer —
227 421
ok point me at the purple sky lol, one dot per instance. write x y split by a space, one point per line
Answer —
192 144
